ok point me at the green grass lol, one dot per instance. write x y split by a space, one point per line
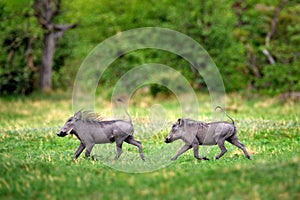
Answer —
36 164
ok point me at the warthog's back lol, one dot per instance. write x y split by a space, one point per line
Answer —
209 133
117 125
103 131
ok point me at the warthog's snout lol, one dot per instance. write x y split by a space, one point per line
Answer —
167 140
61 134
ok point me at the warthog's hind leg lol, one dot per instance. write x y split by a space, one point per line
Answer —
237 143
131 140
89 149
119 144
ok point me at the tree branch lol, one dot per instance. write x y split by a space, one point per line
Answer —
270 34
57 7
269 56
251 58
61 29
274 22
45 11
29 55
39 13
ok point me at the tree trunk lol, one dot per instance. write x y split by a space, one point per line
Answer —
47 61
45 11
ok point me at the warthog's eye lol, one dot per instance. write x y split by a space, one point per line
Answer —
69 119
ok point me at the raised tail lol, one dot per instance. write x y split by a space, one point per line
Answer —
125 109
225 113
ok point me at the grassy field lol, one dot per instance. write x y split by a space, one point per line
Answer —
36 164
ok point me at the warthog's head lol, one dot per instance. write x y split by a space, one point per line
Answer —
177 131
69 125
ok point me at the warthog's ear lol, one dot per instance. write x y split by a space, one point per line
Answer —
77 115
180 121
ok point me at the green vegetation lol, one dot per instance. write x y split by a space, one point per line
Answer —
36 164
255 44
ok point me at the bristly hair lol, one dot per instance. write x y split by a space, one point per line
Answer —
90 116
192 122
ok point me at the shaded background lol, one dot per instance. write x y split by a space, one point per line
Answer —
255 44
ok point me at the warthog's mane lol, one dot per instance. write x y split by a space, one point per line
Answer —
191 122
88 116
194 124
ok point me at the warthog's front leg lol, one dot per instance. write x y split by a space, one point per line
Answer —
196 151
182 150
79 150
222 147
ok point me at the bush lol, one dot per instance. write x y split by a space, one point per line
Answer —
279 78
16 82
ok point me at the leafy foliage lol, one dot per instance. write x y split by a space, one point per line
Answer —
21 51
235 34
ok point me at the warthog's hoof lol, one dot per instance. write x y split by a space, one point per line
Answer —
205 158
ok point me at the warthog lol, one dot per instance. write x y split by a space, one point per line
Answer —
90 131
195 133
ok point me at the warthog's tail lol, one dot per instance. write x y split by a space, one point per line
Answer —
225 113
125 109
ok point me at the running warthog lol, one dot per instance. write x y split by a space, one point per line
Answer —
90 131
195 133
